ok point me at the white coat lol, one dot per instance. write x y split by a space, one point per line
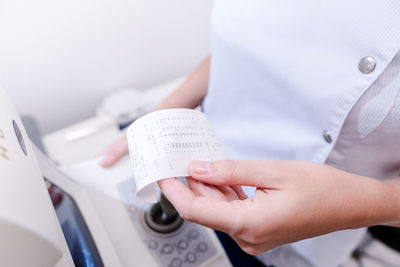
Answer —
285 74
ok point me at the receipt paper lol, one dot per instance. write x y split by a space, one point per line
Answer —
163 143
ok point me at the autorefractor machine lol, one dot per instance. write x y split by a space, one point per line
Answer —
79 225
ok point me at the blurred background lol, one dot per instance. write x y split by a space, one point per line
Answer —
59 59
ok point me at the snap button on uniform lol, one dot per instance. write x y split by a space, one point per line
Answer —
367 64
327 136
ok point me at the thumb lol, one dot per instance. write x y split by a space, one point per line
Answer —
230 172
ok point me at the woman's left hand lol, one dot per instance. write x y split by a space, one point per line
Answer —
294 200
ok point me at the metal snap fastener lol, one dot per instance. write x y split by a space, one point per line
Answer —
367 64
327 136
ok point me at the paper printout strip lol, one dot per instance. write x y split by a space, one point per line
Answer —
163 143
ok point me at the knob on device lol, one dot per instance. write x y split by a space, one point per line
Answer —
162 217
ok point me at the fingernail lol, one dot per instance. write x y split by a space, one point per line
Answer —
200 167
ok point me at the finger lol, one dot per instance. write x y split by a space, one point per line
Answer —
239 191
262 173
222 192
177 193
228 192
252 249
114 152
194 185
202 189
206 211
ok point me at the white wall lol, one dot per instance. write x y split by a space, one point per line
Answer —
58 58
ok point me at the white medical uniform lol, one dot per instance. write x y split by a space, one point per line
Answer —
298 80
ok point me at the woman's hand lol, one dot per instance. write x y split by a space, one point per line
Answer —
293 200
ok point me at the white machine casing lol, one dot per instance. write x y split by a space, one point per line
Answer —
30 232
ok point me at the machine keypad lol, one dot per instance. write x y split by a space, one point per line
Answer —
201 247
189 246
167 249
153 244
183 244
176 262
190 257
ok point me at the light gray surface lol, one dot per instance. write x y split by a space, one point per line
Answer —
33 131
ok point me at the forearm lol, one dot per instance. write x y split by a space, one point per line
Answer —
380 204
192 91
395 184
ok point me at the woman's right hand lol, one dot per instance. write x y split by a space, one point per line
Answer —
113 152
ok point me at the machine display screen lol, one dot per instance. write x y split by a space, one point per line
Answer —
79 240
